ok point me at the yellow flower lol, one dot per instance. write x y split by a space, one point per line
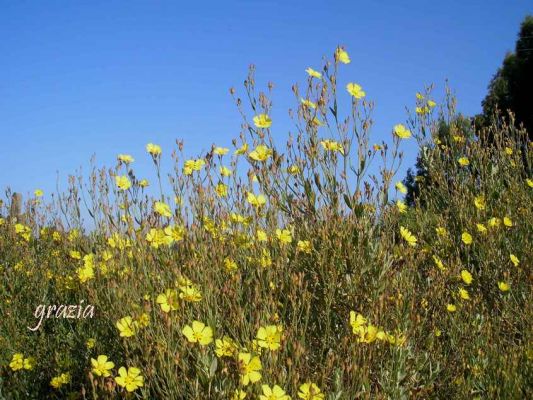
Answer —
230 264
479 202
367 334
310 391
458 138
249 368
342 56
332 145
481 228
242 150
101 366
463 161
198 333
125 158
355 90
466 238
144 320
308 103
91 342
126 326
162 209
304 246
442 232
401 131
174 233
256 200
356 321
225 171
463 293
508 151
221 190
38 193
451 308
439 263
238 394
494 222
144 183
29 363
193 165
419 96
153 149
269 337
273 393
261 235
431 103
168 301
514 260
408 236
157 237
262 121
503 286
315 74
225 347
123 182
60 380
508 222
401 187
130 378
17 362
529 182
85 273
190 293
220 151
422 110
466 277
261 153
293 169
401 206
284 236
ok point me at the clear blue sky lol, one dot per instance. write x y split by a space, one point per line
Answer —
83 78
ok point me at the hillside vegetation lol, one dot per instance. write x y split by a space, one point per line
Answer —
256 271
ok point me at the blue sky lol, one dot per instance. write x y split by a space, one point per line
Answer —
84 78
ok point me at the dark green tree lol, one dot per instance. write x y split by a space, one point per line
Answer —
420 177
510 92
511 88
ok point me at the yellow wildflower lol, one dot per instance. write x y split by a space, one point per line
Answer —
503 286
463 161
153 149
342 56
355 90
466 277
101 366
261 153
312 73
198 333
273 393
408 236
249 368
168 300
310 391
269 337
401 131
130 378
123 182
126 326
262 121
